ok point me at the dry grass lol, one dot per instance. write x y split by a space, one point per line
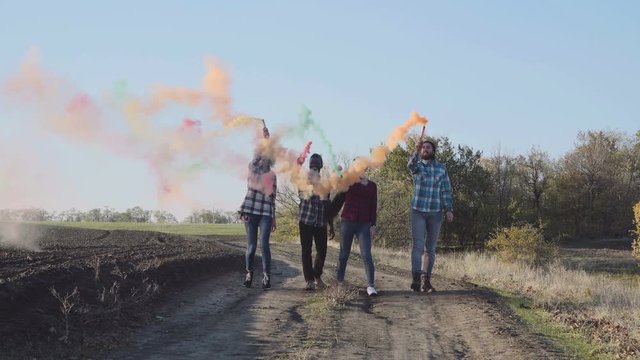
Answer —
603 307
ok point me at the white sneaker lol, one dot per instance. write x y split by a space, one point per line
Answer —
372 291
310 285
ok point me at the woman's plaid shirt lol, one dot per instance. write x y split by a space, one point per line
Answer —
432 188
261 191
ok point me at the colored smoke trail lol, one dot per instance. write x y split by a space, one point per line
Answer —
73 114
335 182
286 160
178 153
307 122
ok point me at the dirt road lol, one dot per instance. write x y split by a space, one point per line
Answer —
221 319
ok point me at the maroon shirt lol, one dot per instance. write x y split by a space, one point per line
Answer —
361 203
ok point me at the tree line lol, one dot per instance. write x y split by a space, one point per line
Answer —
107 214
589 192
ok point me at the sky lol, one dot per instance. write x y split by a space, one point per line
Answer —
491 75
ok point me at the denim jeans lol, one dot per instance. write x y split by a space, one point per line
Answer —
313 270
262 222
362 230
425 227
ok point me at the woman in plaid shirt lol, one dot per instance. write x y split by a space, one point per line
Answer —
258 211
431 198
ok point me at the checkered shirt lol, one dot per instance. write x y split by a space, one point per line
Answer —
432 188
313 210
259 201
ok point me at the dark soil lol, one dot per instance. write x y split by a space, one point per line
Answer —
120 277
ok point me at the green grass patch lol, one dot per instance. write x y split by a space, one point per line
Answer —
540 321
180 229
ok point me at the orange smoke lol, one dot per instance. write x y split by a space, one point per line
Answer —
174 154
286 160
400 133
60 107
215 92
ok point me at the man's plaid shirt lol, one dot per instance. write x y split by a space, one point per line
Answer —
261 192
313 210
432 188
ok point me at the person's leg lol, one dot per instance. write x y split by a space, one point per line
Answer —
306 239
265 234
418 229
251 228
347 230
320 237
434 222
364 239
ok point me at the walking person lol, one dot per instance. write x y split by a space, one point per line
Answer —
432 198
359 219
313 228
258 211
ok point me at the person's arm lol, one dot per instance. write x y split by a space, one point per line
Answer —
413 163
336 205
273 202
446 194
374 204
328 218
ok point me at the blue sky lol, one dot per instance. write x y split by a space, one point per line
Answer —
487 74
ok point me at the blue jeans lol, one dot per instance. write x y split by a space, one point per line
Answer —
362 230
263 222
425 226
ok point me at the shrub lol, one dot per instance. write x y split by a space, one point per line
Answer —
636 243
524 243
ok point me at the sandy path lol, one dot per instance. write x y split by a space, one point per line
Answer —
221 319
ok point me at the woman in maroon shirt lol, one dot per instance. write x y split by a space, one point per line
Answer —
359 219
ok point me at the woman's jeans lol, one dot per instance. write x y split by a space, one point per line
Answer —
362 230
262 222
425 227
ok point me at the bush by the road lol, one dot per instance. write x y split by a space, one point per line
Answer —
524 244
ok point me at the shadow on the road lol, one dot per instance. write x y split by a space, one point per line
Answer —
214 318
410 293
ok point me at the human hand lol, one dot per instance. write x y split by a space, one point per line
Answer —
449 216
372 231
273 225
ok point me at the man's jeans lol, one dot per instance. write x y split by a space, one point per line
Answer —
308 234
263 222
425 226
362 230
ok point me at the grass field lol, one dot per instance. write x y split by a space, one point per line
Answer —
180 229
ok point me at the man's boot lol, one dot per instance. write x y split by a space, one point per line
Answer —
425 284
415 285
